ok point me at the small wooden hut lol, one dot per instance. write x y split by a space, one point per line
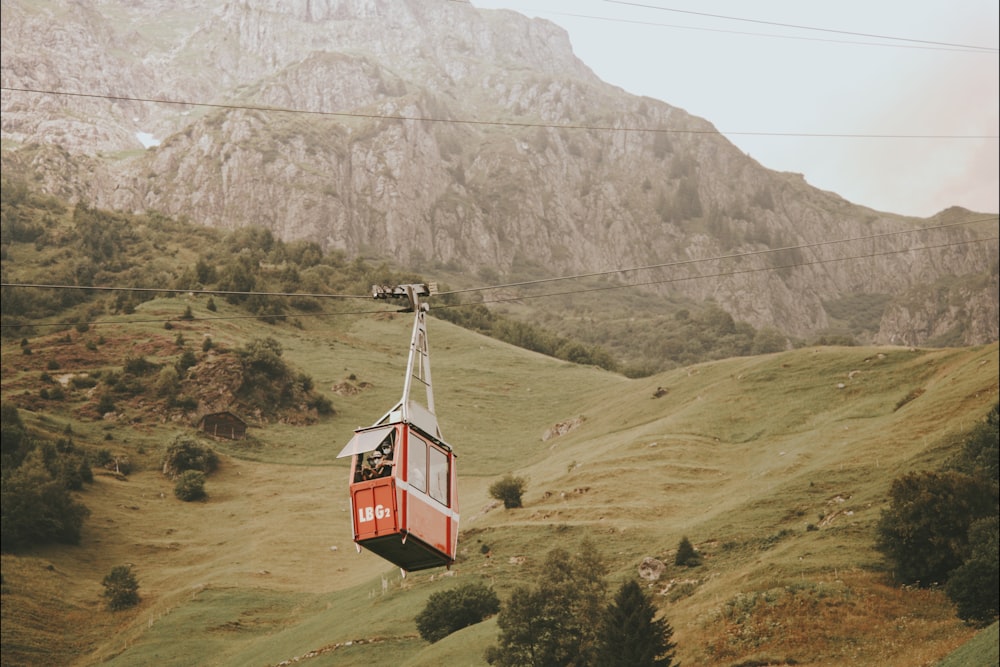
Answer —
223 425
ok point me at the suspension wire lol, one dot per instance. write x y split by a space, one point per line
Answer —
172 320
817 244
984 49
174 290
733 272
495 123
499 299
524 283
933 46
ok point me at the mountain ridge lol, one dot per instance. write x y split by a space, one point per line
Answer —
446 136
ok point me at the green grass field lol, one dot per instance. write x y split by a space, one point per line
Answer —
775 467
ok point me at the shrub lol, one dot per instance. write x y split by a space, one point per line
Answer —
449 611
509 489
121 588
263 356
190 485
322 405
139 365
185 453
106 404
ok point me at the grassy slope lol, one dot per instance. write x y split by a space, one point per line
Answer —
739 455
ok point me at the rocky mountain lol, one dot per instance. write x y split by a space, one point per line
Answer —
441 135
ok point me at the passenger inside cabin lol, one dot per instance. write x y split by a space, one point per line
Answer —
379 462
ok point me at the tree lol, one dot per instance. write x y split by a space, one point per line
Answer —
449 611
686 554
553 623
980 455
121 588
190 485
509 489
37 508
631 635
924 533
524 631
974 586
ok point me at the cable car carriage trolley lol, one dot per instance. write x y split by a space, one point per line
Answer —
404 495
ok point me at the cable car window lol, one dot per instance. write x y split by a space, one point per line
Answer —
438 475
416 473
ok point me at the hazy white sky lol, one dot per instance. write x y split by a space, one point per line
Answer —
843 77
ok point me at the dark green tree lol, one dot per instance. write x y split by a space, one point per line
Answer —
980 455
449 611
525 631
36 507
631 635
121 588
924 532
13 439
974 586
686 554
553 624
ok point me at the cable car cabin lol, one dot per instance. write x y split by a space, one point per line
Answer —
404 498
404 494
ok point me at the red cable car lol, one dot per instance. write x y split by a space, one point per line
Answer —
403 483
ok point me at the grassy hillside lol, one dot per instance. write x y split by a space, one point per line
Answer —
776 467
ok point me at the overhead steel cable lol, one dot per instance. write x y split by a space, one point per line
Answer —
985 49
719 274
524 283
743 33
175 320
177 290
752 253
495 123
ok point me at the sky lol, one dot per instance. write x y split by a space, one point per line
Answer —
851 67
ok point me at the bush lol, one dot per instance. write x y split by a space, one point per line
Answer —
106 404
190 485
509 489
185 453
449 611
121 588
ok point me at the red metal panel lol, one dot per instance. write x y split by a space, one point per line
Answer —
374 506
428 520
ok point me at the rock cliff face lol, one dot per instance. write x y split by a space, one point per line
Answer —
433 132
